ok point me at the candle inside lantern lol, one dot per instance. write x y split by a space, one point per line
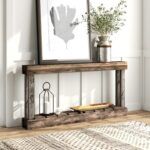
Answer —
47 107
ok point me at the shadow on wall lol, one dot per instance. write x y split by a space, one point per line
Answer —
15 98
22 31
21 50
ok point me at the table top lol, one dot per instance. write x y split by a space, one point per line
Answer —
77 67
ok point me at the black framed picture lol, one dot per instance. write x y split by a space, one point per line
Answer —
62 38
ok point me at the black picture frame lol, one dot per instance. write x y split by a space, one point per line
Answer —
46 35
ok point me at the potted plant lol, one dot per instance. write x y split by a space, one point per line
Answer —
105 22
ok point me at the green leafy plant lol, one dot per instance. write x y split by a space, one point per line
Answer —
106 21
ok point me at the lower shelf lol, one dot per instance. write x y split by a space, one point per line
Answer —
73 117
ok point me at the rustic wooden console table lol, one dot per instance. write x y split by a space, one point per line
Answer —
31 120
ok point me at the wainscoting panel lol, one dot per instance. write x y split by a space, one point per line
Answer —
91 87
134 84
2 66
69 90
146 80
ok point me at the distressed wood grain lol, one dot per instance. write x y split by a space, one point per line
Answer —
29 96
120 88
74 117
39 69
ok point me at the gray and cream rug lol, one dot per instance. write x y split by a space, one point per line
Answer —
123 136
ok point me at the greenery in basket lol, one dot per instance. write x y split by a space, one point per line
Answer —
106 21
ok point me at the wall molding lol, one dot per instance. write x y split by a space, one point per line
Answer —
3 121
146 53
146 56
2 124
146 107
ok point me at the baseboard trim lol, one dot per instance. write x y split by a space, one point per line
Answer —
2 124
13 123
133 107
146 107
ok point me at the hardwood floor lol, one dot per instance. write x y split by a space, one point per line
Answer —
6 133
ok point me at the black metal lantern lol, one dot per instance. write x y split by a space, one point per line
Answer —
47 99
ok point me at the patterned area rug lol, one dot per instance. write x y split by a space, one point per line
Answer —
123 136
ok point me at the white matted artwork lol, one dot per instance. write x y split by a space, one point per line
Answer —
60 38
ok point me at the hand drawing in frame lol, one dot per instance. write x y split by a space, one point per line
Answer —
59 39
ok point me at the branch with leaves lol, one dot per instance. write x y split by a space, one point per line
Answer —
106 21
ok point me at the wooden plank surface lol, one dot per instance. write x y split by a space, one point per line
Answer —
55 68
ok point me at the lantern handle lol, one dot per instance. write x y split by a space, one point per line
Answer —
46 88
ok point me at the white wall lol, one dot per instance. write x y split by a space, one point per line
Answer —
21 47
146 54
128 44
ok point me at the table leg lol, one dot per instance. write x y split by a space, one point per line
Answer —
29 97
120 88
